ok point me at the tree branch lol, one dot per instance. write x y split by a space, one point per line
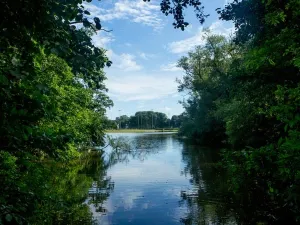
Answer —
74 22
106 30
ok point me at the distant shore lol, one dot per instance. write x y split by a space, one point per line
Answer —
140 130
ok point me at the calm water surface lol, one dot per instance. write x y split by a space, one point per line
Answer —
156 178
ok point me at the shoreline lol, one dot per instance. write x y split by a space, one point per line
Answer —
141 130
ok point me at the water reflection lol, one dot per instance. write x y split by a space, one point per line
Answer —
67 184
159 179
96 168
148 181
207 203
210 203
123 147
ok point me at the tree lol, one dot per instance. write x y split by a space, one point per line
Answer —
123 122
176 121
254 101
207 82
269 72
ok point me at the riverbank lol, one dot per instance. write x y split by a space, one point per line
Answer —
141 130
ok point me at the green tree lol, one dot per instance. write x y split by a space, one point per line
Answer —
256 102
269 74
123 121
207 81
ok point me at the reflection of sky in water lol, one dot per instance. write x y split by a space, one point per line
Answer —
148 191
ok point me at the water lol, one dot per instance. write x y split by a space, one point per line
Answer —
156 178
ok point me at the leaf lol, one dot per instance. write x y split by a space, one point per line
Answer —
297 62
108 63
97 20
98 26
85 22
15 73
4 80
286 127
8 217
78 18
271 62
280 141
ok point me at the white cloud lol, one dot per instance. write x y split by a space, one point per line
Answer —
188 44
146 56
140 87
226 2
170 67
125 62
101 39
138 11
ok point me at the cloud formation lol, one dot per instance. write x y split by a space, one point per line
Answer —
140 87
185 45
124 61
102 39
170 67
146 56
138 11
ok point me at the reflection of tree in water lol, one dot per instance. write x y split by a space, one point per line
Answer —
138 147
66 185
96 168
206 201
211 203
123 148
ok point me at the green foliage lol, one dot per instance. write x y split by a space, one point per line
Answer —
49 114
256 100
147 120
52 105
176 8
50 192
75 110
206 81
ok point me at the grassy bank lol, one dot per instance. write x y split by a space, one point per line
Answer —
140 130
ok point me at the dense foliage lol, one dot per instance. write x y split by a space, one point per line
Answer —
148 120
245 93
52 107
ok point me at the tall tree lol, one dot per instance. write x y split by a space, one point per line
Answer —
206 80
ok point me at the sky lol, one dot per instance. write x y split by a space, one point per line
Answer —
145 48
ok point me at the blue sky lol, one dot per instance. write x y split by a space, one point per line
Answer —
145 48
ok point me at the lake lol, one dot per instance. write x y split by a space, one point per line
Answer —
156 178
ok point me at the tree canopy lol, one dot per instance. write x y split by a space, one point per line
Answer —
148 120
243 97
